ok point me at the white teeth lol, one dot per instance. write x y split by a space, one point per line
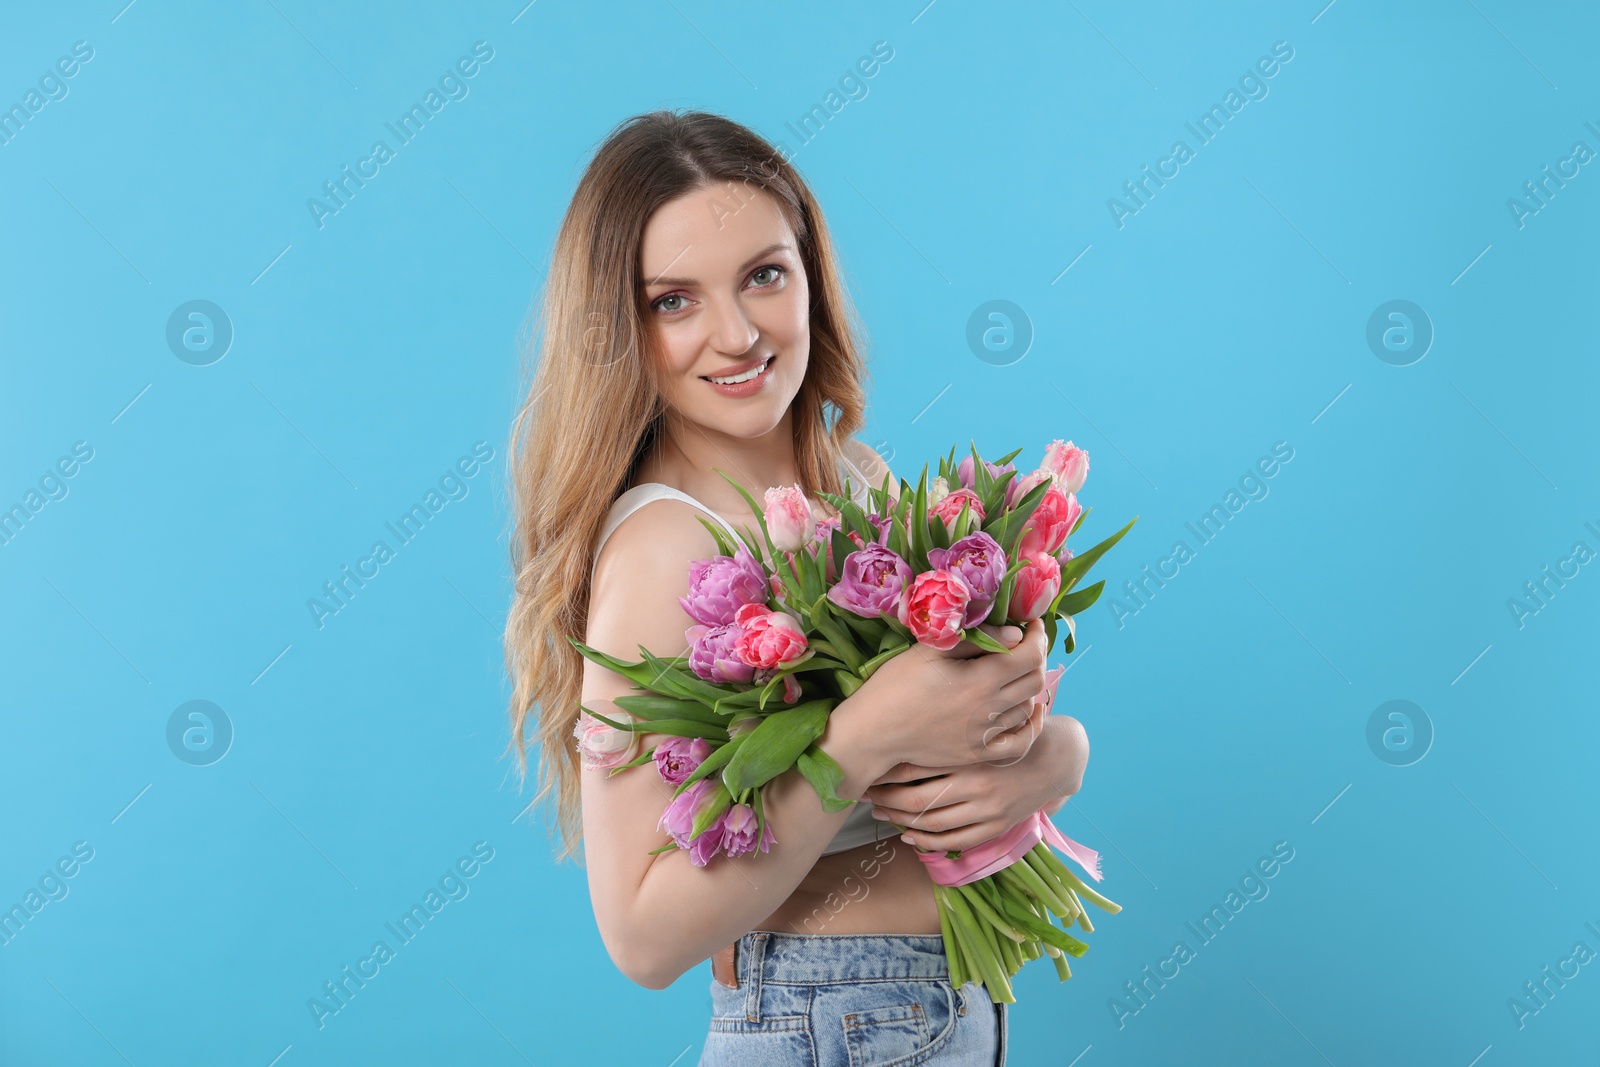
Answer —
745 377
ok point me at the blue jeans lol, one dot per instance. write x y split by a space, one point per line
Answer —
852 1000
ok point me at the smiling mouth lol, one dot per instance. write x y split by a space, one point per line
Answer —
734 379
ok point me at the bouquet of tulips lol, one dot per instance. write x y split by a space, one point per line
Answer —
788 627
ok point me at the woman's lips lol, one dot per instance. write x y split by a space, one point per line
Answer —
748 388
738 368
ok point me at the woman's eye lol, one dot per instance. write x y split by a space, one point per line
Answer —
772 275
776 272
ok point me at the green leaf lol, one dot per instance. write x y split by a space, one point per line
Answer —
985 642
742 701
1081 599
638 673
713 809
884 656
713 763
1075 568
1002 598
843 547
653 706
638 761
773 746
898 631
869 630
1006 526
679 682
675 727
825 776
917 520
725 545
838 635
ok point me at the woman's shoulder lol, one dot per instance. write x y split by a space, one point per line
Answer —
867 459
653 540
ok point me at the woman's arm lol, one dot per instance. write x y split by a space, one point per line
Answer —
660 915
947 808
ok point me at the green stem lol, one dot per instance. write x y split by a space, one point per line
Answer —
1077 883
1049 876
1026 875
975 900
972 957
1046 931
980 950
952 951
1083 912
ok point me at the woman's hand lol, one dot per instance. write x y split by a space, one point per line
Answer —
942 708
963 806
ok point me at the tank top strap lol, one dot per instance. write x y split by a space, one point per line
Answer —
646 492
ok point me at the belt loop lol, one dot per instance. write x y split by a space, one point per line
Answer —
752 953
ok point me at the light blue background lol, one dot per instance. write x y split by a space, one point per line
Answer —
1227 315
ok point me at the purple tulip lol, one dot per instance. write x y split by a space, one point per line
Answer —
703 848
677 757
721 585
739 832
870 582
678 819
964 472
714 654
981 562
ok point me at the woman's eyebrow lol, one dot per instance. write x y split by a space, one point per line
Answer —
780 246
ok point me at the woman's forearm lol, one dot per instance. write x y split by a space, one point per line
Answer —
683 914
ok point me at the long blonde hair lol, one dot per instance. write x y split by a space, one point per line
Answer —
594 408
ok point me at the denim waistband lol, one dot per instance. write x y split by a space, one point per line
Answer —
800 959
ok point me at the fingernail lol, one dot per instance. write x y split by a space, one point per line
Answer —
1011 633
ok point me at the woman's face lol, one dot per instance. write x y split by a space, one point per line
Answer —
724 289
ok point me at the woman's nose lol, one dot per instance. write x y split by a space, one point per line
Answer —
732 332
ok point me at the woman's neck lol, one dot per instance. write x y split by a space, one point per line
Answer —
685 455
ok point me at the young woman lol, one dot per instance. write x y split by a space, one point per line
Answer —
694 318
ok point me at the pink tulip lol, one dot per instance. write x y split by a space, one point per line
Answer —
602 747
1034 587
950 507
769 639
788 517
1020 486
933 608
1050 523
1068 465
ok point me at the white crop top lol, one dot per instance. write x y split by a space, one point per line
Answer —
859 828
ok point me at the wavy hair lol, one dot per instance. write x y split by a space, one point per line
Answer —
593 405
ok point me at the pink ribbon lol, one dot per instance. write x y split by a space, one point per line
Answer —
997 853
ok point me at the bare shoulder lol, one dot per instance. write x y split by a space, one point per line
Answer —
867 458
642 569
